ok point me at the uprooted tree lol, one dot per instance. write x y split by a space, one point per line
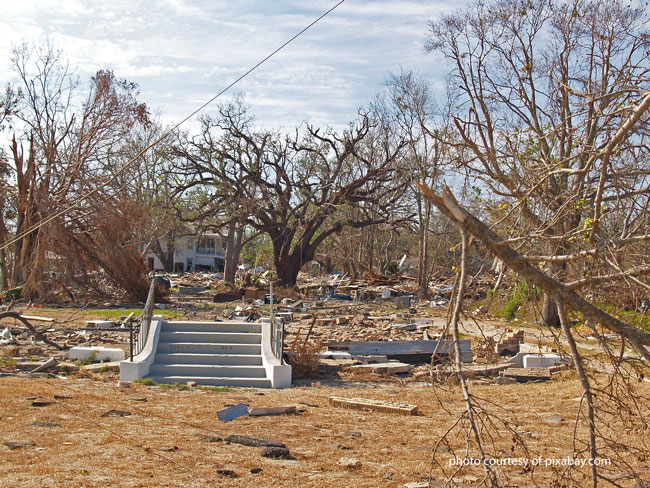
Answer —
59 153
549 102
297 190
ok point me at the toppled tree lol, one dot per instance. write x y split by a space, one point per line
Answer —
294 189
61 153
544 95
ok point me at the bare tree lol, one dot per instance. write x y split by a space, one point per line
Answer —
294 189
550 109
62 152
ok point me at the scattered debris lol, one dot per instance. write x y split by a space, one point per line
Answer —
41 403
253 441
528 374
276 453
116 413
45 425
208 438
229 473
348 462
510 344
18 444
374 405
553 419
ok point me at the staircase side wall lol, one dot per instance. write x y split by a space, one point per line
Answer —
276 370
139 368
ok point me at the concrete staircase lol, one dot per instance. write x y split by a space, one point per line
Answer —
212 353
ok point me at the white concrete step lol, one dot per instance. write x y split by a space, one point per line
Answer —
209 348
214 337
207 370
215 359
214 381
226 326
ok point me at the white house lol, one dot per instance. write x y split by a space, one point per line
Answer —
192 253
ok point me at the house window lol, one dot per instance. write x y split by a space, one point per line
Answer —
206 246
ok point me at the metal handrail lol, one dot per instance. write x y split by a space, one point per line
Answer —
145 323
277 329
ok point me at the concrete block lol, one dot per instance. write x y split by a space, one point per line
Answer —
101 353
233 412
100 324
541 360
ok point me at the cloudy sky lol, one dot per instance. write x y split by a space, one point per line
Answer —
182 52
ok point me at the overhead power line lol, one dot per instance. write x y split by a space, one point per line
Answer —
134 159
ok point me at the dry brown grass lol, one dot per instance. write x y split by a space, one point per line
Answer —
94 451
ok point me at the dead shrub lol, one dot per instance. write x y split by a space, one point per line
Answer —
306 358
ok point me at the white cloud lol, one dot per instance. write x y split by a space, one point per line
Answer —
182 52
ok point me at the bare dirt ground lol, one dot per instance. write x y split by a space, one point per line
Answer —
173 438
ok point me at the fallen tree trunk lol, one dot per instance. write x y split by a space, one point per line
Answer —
39 335
448 206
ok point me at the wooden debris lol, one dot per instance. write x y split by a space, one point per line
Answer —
528 374
18 444
374 405
37 318
253 441
39 335
116 413
276 453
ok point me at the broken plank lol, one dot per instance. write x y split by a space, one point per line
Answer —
374 405
527 374
37 318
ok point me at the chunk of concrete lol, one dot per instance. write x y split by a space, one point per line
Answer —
232 412
541 360
101 353
392 367
101 324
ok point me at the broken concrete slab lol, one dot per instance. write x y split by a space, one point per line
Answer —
101 324
82 353
50 363
259 412
407 351
393 367
541 360
371 405
101 367
232 412
376 358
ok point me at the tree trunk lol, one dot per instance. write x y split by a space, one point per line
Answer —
287 266
550 315
233 250
3 272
